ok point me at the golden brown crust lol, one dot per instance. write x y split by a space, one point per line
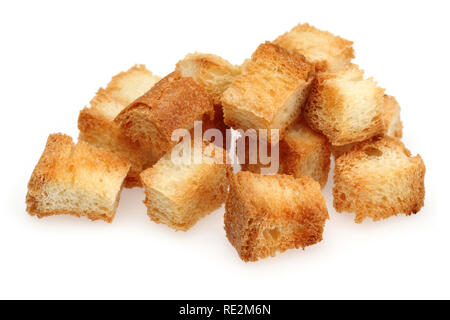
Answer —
215 75
93 158
379 179
32 204
101 132
323 49
64 167
302 151
53 160
269 214
98 128
211 72
270 91
345 107
126 86
393 126
179 195
173 103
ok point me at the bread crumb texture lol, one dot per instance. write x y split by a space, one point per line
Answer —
213 74
80 180
270 91
97 126
173 103
392 125
269 214
325 50
302 151
378 179
345 107
179 194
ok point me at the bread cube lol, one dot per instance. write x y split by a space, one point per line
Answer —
345 107
270 92
180 194
379 179
269 214
97 126
79 180
302 151
215 75
127 86
173 103
211 72
391 123
323 49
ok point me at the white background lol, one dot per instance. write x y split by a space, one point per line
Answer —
55 55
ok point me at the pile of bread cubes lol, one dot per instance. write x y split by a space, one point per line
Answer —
303 84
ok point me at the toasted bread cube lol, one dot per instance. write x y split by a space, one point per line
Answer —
97 126
270 92
269 214
323 49
345 107
173 103
212 72
302 151
391 120
80 180
127 86
379 179
305 152
180 194
215 75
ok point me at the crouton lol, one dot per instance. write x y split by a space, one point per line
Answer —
215 75
79 180
270 92
97 126
179 194
323 49
173 103
302 151
269 214
391 123
345 107
127 86
379 179
212 72
305 152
